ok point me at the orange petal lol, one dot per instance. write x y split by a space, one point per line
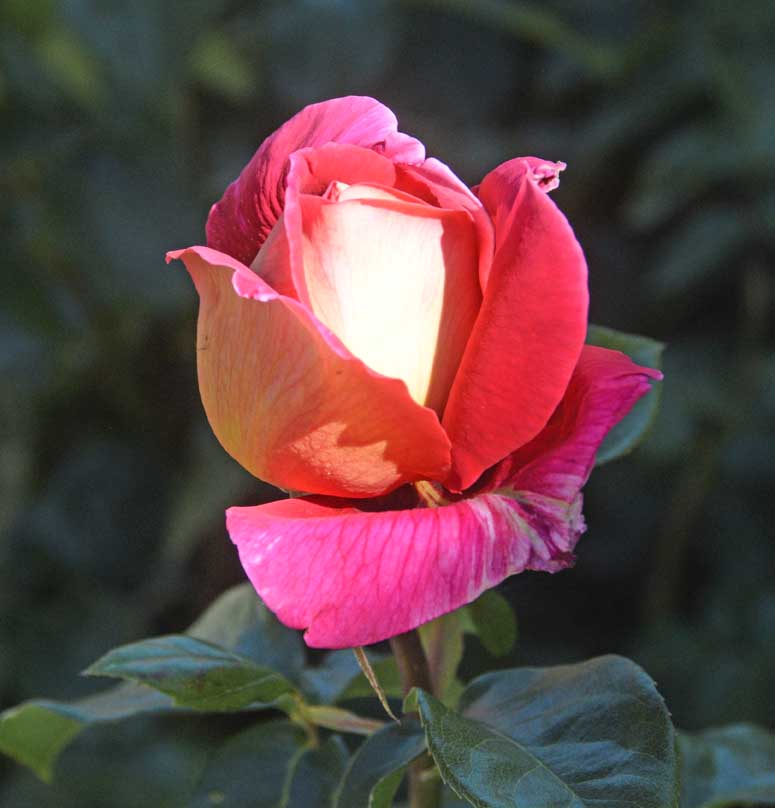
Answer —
290 403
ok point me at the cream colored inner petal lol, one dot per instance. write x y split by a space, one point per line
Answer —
396 282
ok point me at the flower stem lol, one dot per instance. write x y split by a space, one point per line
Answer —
424 782
411 661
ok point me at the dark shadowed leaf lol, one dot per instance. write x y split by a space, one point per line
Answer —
252 769
594 734
727 767
194 673
375 771
339 678
240 622
317 775
631 430
492 620
35 732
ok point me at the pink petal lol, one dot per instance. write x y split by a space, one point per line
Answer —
530 329
557 462
246 214
311 171
353 577
395 281
274 265
290 403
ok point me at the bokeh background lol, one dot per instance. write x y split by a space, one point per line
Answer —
123 121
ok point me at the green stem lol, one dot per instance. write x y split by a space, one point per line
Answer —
424 782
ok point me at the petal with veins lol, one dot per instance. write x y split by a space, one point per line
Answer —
353 577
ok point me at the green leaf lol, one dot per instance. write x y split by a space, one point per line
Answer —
253 768
410 701
375 771
316 775
34 735
631 430
337 719
727 767
239 622
591 734
442 640
194 673
35 732
493 621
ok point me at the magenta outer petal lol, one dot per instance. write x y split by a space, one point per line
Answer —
241 221
353 577
558 461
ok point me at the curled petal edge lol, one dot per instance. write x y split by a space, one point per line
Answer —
240 222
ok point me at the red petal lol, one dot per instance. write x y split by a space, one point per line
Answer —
354 577
290 403
557 462
244 217
530 330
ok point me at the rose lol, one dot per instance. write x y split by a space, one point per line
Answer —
410 354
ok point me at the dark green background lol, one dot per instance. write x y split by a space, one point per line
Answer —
121 122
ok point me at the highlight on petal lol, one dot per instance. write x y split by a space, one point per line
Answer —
558 461
395 280
241 221
290 403
354 577
530 330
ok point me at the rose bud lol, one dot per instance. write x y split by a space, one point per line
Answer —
409 353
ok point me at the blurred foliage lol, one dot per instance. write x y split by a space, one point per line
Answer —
122 123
